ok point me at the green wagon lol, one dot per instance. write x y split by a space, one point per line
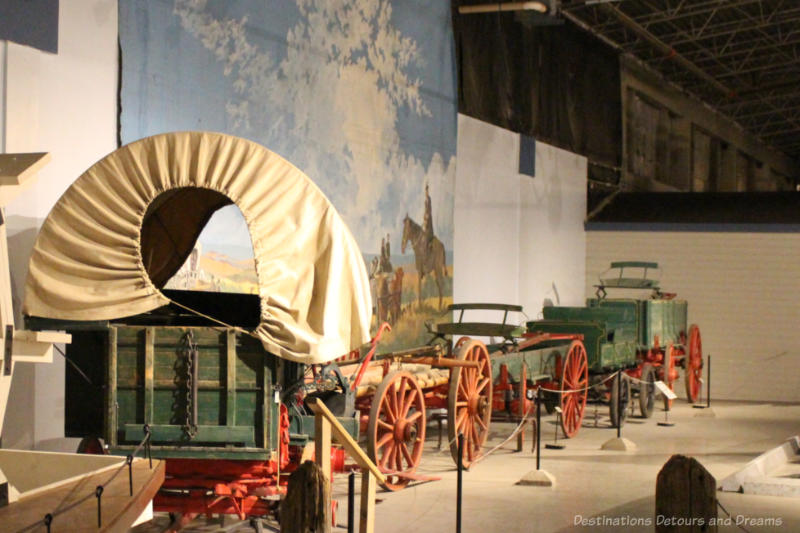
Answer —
580 352
646 337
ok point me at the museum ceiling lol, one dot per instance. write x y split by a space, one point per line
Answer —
741 57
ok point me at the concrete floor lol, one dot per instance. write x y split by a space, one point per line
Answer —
591 484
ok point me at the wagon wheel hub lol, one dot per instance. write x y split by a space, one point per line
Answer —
404 431
474 404
396 427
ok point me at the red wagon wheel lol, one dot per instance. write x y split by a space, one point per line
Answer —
694 365
460 342
668 373
469 402
575 377
396 429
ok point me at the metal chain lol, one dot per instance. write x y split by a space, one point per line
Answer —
190 348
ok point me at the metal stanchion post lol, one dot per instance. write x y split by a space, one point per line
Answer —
619 404
98 493
708 378
706 410
459 481
538 477
351 502
148 435
129 460
538 427
619 444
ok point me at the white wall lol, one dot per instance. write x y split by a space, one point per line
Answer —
742 290
65 104
518 239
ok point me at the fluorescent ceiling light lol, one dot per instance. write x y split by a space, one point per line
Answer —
503 6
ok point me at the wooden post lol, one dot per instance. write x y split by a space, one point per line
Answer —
110 429
326 424
322 444
523 385
230 385
686 499
149 369
367 511
307 507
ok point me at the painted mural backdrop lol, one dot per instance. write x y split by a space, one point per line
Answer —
359 94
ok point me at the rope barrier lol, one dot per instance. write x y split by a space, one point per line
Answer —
96 493
519 427
525 416
729 516
508 439
586 388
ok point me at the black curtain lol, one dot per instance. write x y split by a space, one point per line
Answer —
556 83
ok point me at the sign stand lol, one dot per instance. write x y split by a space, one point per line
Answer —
667 392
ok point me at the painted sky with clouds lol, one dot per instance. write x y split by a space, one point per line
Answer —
359 94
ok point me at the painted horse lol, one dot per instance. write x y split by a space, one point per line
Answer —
395 296
429 256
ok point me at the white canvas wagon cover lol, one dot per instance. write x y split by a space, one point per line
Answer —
128 223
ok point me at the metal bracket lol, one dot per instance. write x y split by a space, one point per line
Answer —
8 353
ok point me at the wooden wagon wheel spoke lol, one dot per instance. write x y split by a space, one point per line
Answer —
462 417
414 417
404 455
396 400
582 372
406 405
484 382
471 449
463 392
396 427
388 412
384 440
470 401
575 376
398 458
468 383
388 456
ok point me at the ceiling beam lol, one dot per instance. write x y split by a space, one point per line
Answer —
687 10
793 85
758 66
788 17
767 112
666 49
745 47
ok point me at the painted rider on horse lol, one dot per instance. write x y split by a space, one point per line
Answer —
427 218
